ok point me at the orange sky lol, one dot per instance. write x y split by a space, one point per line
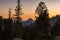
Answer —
29 14
28 7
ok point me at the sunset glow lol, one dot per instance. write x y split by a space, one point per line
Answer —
28 7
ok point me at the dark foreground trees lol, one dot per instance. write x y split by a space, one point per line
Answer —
1 21
55 30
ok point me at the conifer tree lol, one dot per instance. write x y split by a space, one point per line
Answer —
18 24
42 21
18 13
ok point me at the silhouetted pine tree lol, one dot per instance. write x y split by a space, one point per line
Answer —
18 25
42 22
9 13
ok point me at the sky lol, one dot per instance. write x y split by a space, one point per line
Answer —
28 7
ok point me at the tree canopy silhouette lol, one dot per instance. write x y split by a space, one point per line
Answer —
42 21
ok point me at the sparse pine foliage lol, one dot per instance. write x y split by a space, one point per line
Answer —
18 24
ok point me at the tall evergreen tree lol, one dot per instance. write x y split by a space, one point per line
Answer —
9 13
18 23
42 21
18 14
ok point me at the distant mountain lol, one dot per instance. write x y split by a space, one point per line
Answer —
27 22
